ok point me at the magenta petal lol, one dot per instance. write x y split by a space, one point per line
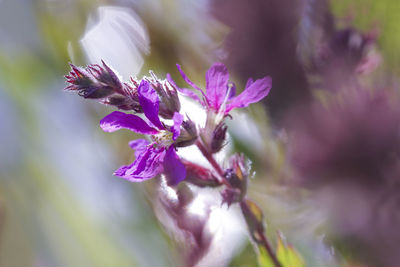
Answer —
139 145
119 120
150 102
174 169
176 128
232 91
188 81
184 91
249 82
146 166
217 79
251 94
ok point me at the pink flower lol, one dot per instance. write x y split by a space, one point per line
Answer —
220 94
152 158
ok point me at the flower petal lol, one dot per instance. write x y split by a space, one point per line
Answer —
119 120
249 82
176 128
147 165
251 94
190 82
139 145
184 91
150 102
232 90
174 169
217 78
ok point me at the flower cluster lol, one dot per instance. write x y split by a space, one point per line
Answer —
158 101
168 130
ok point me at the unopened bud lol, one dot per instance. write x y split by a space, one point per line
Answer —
168 94
218 137
169 101
237 176
84 82
106 76
129 101
188 134
101 83
230 196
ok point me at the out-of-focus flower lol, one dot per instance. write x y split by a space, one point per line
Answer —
263 41
341 56
348 153
354 136
155 157
101 83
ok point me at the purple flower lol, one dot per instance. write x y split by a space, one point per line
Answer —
152 158
220 94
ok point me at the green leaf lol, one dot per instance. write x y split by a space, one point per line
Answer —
264 260
288 256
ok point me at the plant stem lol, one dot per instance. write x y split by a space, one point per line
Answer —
213 163
218 169
268 247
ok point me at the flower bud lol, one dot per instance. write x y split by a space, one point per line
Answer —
124 102
188 134
237 176
218 137
101 83
94 82
169 101
168 94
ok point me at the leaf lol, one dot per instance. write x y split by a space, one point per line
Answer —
288 256
264 260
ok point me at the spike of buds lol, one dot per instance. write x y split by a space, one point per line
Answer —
169 100
188 134
101 83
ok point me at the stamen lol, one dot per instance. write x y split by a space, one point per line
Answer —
222 108
163 138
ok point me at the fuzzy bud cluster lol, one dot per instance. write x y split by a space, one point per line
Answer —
168 94
101 83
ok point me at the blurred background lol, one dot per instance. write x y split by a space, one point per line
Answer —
324 144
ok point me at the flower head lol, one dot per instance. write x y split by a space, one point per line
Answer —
152 158
220 94
219 98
